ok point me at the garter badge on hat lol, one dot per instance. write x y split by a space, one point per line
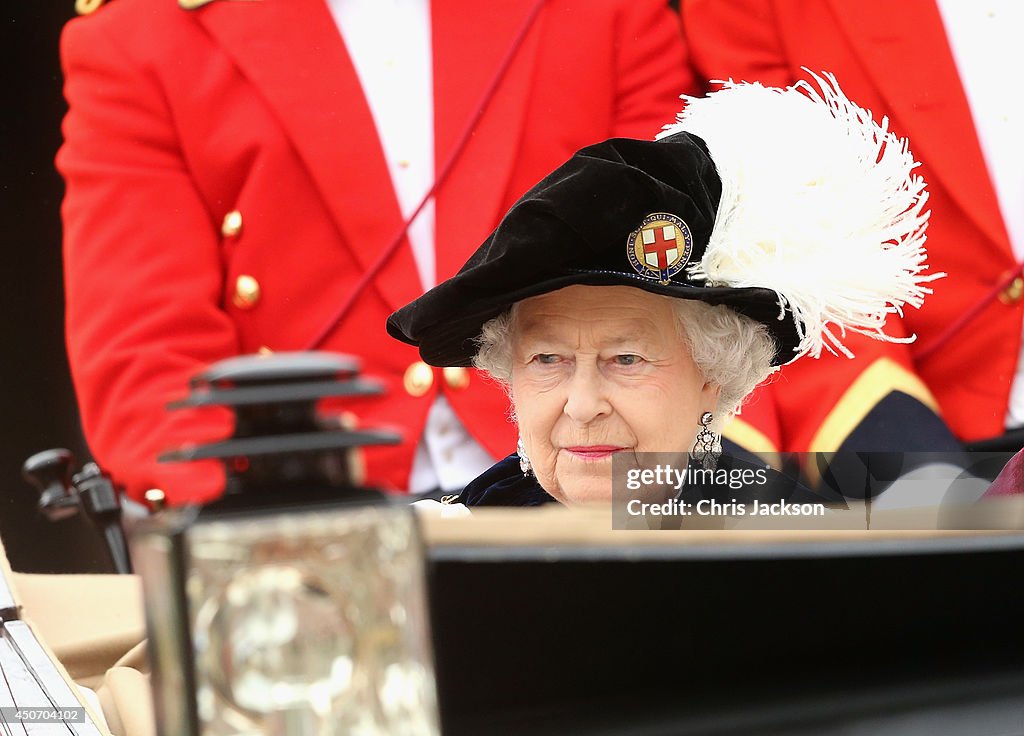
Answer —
660 248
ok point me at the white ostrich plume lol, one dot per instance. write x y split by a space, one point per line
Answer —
819 203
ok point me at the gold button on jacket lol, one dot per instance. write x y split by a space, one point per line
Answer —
247 292
1013 292
232 224
156 498
419 377
87 7
456 377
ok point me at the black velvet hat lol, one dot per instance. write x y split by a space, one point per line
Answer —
588 222
792 207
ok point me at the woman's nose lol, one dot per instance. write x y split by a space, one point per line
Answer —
587 398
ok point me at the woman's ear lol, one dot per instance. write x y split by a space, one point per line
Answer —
709 396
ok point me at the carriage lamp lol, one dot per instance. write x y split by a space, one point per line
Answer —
297 604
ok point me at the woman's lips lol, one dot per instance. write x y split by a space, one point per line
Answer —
593 452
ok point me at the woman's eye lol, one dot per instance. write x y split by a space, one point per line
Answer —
546 358
628 359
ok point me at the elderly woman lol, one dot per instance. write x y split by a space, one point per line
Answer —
633 298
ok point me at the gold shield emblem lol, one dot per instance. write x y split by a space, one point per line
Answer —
661 247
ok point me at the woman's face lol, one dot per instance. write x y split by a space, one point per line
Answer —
598 370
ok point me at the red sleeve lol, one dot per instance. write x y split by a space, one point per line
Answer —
142 267
652 70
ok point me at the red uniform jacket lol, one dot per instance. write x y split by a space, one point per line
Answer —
892 58
178 118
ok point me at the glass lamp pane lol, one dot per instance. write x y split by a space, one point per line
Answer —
311 623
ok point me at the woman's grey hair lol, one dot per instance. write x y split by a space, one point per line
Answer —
731 350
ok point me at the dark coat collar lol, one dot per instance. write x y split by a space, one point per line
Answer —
504 484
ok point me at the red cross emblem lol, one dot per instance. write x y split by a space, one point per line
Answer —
660 247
